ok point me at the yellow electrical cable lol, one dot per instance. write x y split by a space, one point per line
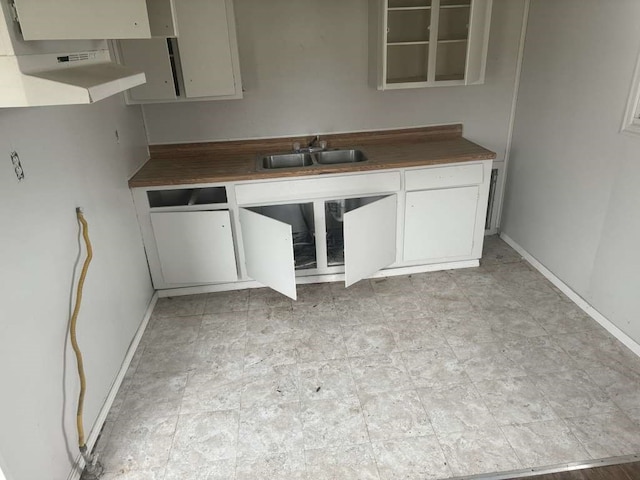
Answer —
72 327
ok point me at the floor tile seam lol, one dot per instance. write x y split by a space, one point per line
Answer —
184 343
569 430
440 446
175 315
484 402
582 444
452 350
433 435
364 420
604 389
526 377
501 348
513 450
547 398
415 389
462 432
225 311
243 383
170 450
549 401
299 402
566 420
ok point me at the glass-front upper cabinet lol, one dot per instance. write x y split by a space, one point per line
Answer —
425 43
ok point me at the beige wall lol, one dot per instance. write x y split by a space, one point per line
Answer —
572 197
305 70
70 158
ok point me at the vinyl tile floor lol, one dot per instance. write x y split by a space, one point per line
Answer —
425 376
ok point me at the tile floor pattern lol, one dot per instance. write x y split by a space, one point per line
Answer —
426 376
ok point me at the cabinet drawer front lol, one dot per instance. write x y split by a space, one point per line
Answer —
442 177
310 188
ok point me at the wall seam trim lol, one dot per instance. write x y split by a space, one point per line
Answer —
76 470
574 297
512 115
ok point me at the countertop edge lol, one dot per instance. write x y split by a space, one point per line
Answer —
234 161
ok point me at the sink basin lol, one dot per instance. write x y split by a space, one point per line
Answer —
286 160
304 159
340 156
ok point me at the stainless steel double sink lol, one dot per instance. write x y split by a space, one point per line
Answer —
304 159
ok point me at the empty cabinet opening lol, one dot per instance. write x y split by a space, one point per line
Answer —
407 63
454 3
453 23
451 60
300 217
334 215
408 26
187 196
409 3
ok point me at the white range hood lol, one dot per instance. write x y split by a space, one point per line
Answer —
37 73
54 79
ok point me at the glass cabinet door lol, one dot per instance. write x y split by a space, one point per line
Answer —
452 39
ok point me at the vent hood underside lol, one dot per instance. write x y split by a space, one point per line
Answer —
67 79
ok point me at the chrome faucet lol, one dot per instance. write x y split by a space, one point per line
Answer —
315 145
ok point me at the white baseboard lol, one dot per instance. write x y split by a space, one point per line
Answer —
575 298
97 426
319 278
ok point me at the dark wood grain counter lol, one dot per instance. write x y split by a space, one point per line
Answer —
213 162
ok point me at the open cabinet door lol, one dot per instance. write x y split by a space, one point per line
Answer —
268 252
369 239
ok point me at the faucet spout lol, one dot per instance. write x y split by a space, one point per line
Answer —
315 145
314 141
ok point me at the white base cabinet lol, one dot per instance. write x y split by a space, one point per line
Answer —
194 247
345 226
440 224
369 243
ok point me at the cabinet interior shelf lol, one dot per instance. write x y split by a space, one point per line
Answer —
453 6
408 80
395 9
453 76
452 40
418 42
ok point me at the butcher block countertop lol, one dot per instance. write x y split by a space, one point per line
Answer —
214 162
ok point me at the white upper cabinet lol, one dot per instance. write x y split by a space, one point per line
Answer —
95 19
201 64
426 43
55 72
205 48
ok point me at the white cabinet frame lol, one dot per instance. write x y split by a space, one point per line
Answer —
409 61
369 244
376 242
95 19
206 63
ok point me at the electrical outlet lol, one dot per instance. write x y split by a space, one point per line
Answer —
17 166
